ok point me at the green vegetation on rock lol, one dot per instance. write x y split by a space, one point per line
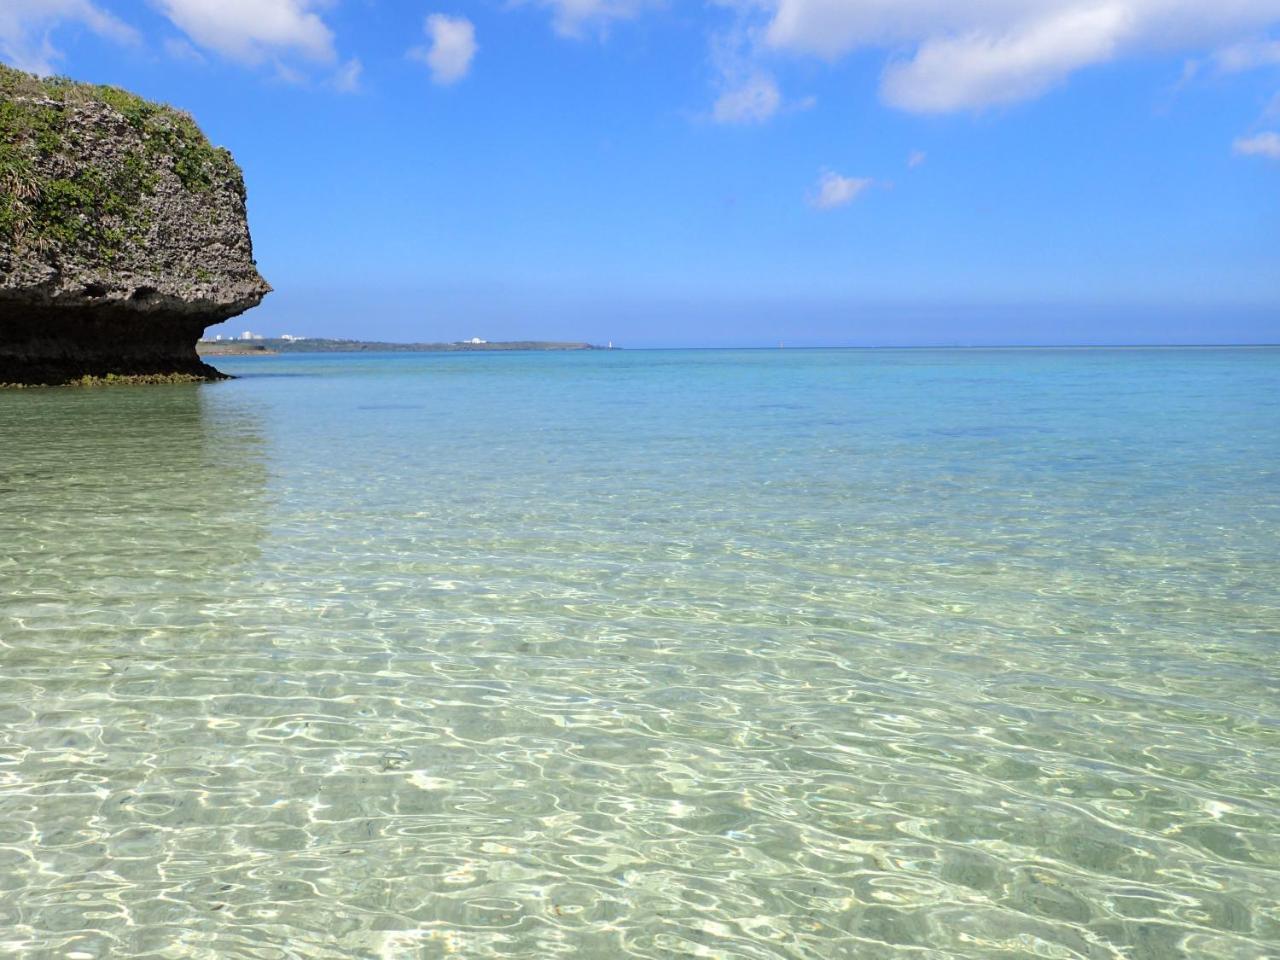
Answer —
49 202
118 380
123 234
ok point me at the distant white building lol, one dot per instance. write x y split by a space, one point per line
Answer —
250 335
475 340
291 338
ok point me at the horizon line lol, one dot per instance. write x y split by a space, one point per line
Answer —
782 345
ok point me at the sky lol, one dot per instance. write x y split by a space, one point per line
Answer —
727 172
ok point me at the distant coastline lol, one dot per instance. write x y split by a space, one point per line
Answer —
270 346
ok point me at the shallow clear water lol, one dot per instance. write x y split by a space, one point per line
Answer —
873 654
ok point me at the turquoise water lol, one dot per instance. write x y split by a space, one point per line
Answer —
760 654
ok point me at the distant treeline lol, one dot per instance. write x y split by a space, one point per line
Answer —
322 345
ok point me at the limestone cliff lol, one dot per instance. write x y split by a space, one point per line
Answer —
123 234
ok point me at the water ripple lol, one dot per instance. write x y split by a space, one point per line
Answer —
838 655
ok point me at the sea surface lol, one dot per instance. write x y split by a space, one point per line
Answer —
863 654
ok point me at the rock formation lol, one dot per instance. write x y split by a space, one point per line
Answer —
122 235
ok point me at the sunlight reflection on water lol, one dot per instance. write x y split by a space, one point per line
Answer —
728 654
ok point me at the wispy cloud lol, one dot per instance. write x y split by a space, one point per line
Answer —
970 71
755 100
833 190
1272 111
951 56
946 56
450 48
176 48
27 26
1248 55
579 18
916 158
1259 145
347 77
748 92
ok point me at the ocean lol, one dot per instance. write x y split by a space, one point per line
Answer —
874 654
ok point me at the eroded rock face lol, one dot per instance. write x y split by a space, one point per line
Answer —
123 234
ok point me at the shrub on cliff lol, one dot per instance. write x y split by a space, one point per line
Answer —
89 206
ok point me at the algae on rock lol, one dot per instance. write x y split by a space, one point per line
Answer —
123 234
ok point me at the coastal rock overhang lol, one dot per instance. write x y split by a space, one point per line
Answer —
123 235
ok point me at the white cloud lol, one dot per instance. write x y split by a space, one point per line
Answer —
287 74
252 31
26 25
950 55
916 158
834 191
747 92
754 101
451 49
957 73
178 49
575 18
347 77
1248 55
1260 145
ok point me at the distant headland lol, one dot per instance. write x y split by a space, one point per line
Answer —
260 346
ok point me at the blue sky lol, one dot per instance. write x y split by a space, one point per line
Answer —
730 172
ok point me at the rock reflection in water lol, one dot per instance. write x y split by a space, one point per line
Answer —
128 517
